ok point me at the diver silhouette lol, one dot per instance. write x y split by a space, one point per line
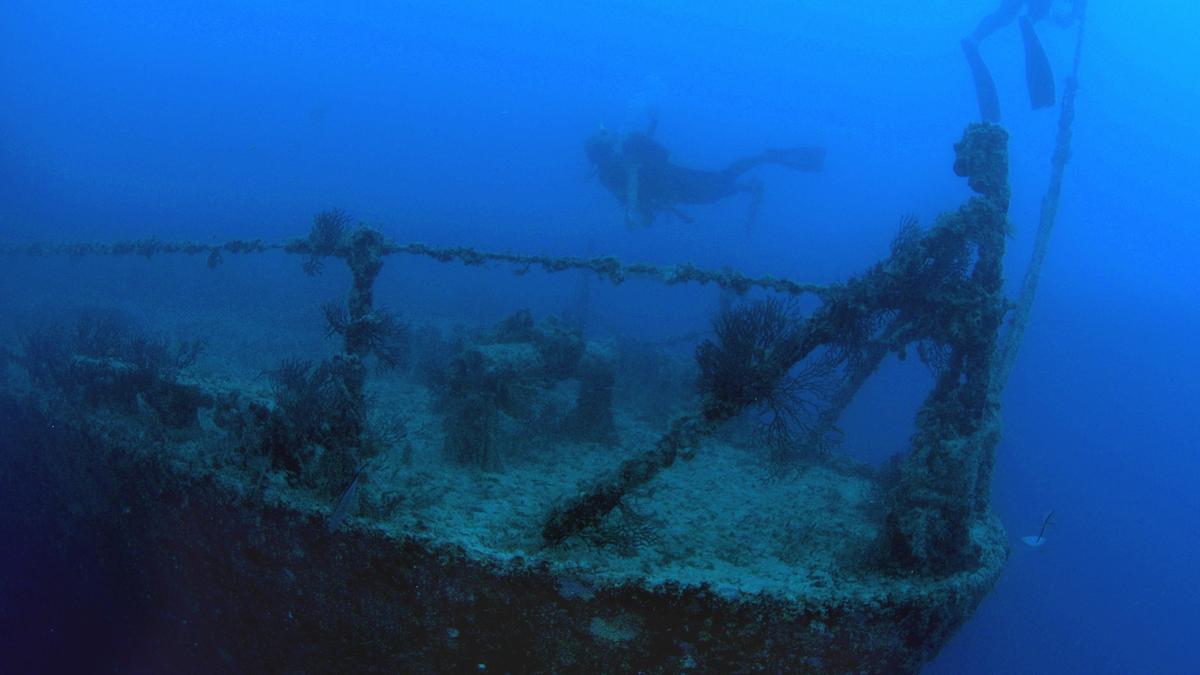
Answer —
1039 76
638 171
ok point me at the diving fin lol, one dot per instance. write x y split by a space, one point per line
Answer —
1038 74
800 159
985 87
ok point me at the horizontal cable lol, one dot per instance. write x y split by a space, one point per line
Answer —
606 267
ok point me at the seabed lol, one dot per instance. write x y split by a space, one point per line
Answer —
469 541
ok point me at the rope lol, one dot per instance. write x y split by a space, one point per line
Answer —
1007 353
605 267
614 270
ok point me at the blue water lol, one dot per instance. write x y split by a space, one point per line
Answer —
449 122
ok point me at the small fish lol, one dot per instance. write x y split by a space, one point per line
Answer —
342 508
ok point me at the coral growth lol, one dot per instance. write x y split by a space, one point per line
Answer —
105 359
325 238
756 344
316 428
318 425
379 332
757 365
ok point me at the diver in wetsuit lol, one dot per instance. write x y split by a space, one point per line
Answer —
1039 77
638 171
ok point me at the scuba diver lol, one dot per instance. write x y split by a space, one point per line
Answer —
1039 77
637 170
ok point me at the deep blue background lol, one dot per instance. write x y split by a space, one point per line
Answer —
455 122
